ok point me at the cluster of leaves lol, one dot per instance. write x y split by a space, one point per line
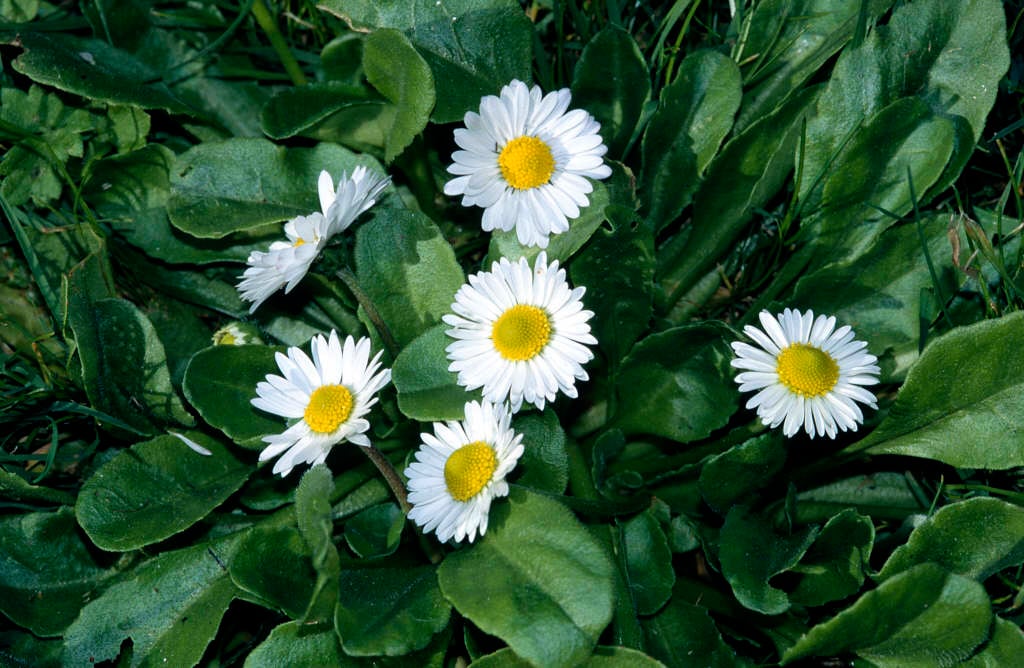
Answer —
803 153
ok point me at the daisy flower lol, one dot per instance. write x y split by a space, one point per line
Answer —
524 159
520 333
460 469
326 396
287 262
807 373
353 196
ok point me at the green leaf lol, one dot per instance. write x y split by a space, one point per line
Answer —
537 580
394 68
297 110
46 571
683 635
224 399
835 564
744 175
612 83
791 40
973 426
295 644
745 535
694 115
313 514
95 70
457 40
19 11
648 562
950 55
871 173
694 393
737 473
156 489
545 461
1004 647
925 616
124 367
14 487
242 184
881 495
617 269
408 269
974 538
273 565
427 390
389 611
603 657
170 608
376 531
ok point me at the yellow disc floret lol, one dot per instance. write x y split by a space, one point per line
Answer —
521 332
469 469
806 370
329 406
526 162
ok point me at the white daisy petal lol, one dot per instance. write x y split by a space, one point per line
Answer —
327 395
460 469
806 373
525 160
520 333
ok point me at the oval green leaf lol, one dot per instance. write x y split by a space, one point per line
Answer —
220 383
427 390
538 580
156 489
975 425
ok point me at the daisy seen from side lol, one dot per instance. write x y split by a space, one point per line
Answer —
807 373
327 397
525 159
353 195
460 469
285 263
520 333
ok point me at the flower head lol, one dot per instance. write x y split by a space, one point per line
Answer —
236 334
326 396
286 262
520 333
808 373
353 196
460 469
524 159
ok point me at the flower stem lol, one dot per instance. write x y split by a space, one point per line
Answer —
266 21
350 281
390 475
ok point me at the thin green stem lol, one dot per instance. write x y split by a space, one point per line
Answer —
350 281
393 481
269 26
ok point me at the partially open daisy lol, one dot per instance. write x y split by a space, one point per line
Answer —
460 469
327 398
520 333
526 160
286 262
807 373
354 195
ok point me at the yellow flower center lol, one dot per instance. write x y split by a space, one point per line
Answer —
298 242
526 162
521 332
329 406
469 469
806 370
224 338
